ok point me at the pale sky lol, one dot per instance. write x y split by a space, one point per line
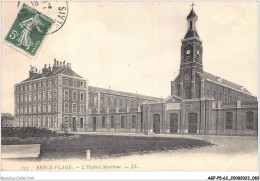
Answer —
135 46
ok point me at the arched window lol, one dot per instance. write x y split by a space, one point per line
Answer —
133 121
30 121
21 122
115 102
44 122
34 121
112 121
55 122
229 120
103 121
39 122
81 122
74 96
249 120
122 121
66 95
66 107
95 100
49 122
49 95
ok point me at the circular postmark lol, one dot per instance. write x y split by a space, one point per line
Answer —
54 12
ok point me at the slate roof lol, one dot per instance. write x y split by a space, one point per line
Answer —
58 70
191 33
224 82
121 93
192 14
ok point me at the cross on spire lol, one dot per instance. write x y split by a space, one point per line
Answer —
192 5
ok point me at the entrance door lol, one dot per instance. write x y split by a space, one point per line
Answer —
156 123
173 123
192 123
94 124
74 124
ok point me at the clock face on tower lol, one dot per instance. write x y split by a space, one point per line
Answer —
187 77
188 57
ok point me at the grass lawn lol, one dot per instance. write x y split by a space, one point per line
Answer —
108 146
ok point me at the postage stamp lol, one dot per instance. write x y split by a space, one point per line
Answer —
56 10
29 30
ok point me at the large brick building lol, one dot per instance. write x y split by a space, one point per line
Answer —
200 103
55 98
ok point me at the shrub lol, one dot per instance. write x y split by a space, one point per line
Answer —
26 132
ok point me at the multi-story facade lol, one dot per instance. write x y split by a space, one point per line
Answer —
200 103
111 110
55 98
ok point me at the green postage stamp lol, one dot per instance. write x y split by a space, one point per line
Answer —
28 30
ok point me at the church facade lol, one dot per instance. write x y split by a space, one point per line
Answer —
200 103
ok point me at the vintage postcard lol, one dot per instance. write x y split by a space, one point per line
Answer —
129 86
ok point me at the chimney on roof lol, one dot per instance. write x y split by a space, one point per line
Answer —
45 69
219 79
68 65
49 66
60 63
33 71
56 65
64 63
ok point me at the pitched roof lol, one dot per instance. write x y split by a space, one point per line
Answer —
121 93
55 71
192 14
224 82
191 33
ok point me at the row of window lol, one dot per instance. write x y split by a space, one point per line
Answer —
75 83
44 108
41 122
43 96
110 103
74 108
41 109
112 121
46 83
249 120
34 86
228 98
74 95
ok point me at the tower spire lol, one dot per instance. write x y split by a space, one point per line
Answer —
192 5
192 19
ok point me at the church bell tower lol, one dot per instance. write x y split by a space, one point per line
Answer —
188 82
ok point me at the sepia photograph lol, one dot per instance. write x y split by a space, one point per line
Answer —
129 86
